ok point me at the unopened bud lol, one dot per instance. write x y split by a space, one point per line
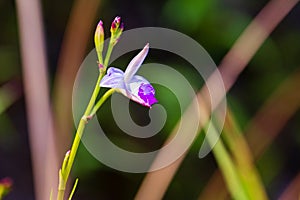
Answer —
116 30
99 37
115 24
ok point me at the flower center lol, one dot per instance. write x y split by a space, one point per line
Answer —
146 93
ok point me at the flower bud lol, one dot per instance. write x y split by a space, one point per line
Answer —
99 40
115 24
116 30
65 162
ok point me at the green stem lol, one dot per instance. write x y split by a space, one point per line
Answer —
60 194
100 59
61 186
101 101
73 190
67 165
227 167
243 157
108 53
94 96
83 121
1 192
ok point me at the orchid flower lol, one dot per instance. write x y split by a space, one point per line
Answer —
135 87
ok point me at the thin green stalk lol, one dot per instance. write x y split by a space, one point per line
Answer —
67 164
242 155
94 96
227 167
99 54
1 192
91 108
73 190
108 53
81 128
65 172
101 101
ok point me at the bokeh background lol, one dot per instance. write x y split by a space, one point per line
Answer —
216 25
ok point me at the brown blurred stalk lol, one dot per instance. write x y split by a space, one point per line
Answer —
292 191
156 183
36 90
274 114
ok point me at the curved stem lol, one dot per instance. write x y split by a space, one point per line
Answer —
82 123
101 101
227 167
108 53
65 172
90 111
73 190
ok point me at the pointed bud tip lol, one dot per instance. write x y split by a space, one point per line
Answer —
117 19
68 153
99 29
99 37
116 23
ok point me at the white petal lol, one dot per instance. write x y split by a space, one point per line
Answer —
135 83
135 64
113 79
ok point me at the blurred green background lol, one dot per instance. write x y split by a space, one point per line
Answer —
215 25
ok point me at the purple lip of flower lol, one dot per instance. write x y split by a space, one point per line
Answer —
132 86
147 92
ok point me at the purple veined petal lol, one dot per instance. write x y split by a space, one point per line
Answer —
138 78
141 91
113 70
147 94
114 78
135 64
